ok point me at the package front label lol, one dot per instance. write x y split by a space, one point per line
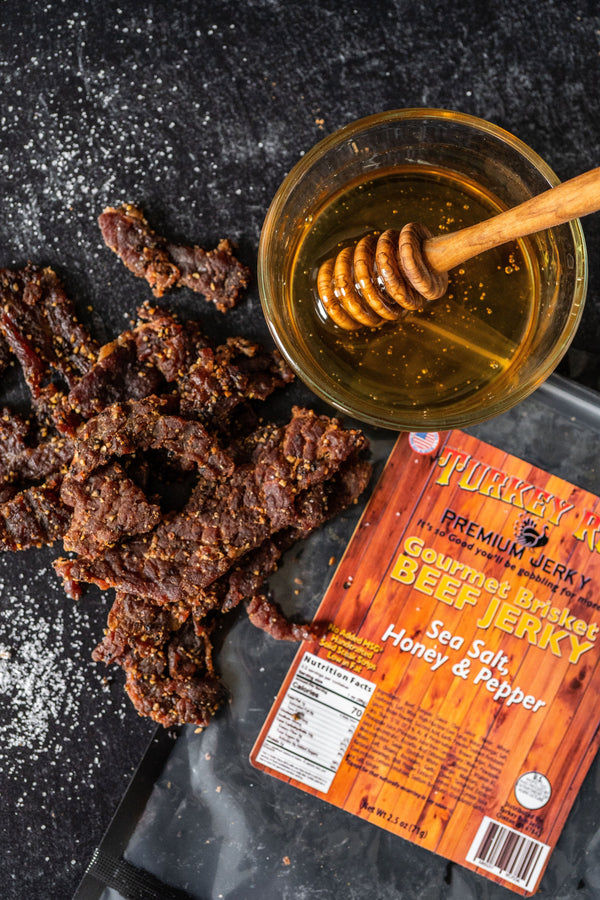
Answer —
454 697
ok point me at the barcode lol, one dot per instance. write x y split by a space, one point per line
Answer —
510 854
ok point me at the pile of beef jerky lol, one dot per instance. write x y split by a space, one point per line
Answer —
147 458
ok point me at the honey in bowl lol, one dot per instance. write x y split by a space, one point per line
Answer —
449 354
508 315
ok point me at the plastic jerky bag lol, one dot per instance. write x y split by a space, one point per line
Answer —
199 821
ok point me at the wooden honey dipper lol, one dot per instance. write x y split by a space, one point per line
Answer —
383 276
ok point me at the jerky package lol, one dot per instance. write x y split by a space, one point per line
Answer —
198 821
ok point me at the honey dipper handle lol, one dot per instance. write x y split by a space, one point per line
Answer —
570 200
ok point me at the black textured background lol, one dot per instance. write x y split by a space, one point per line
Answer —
196 111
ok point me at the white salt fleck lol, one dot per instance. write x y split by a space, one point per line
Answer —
43 683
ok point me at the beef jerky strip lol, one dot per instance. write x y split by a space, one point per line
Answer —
168 665
125 428
107 507
264 614
30 516
14 430
38 322
47 458
313 508
243 580
215 273
166 342
6 356
234 372
190 549
28 457
7 492
117 376
33 517
52 405
187 692
139 362
134 625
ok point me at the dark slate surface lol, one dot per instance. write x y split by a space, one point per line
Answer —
196 110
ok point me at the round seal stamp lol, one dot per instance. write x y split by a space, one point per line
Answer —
532 790
424 441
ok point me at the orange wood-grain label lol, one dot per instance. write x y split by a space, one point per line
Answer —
454 698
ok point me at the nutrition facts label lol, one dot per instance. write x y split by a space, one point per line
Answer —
315 722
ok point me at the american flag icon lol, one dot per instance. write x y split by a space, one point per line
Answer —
424 441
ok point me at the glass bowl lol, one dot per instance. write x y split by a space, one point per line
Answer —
509 314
